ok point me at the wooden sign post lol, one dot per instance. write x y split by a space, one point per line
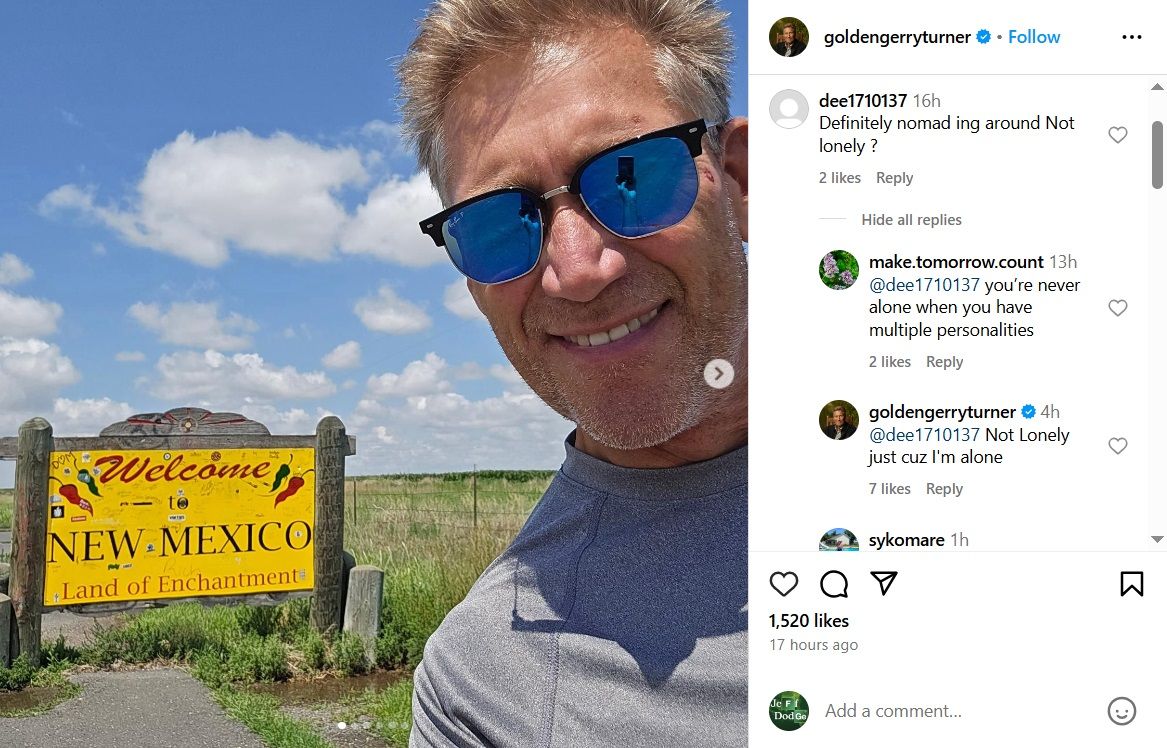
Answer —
29 520
328 604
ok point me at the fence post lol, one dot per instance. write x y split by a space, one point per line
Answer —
362 609
354 501
30 519
474 490
327 604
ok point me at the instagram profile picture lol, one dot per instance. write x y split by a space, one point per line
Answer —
838 420
789 109
838 539
789 710
838 270
789 37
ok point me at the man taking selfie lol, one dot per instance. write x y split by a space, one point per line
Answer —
597 204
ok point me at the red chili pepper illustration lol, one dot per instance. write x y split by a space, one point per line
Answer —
295 483
69 491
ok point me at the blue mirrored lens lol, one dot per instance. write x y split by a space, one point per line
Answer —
642 188
495 239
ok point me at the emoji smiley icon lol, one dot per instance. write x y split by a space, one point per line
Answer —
1121 711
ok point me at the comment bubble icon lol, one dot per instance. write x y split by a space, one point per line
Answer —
834 584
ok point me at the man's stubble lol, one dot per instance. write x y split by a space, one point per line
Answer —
650 412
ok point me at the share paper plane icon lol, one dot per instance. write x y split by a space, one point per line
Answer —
885 578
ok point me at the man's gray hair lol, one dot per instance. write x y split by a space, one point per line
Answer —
690 41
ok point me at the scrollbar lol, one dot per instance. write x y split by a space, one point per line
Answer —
1157 155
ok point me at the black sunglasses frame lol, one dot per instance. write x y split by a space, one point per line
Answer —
689 133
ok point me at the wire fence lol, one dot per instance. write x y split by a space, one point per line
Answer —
481 512
468 503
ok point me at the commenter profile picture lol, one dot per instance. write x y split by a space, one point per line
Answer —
789 109
838 539
839 420
789 711
838 270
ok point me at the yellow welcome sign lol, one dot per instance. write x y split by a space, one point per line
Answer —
130 525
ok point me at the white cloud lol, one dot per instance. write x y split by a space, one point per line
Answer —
129 356
68 197
195 325
388 312
506 374
218 378
381 130
302 330
31 373
415 421
448 431
459 302
13 270
347 355
289 421
88 416
22 316
423 377
512 417
386 225
468 370
381 139
199 197
367 411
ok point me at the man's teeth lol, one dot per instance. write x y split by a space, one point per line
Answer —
617 332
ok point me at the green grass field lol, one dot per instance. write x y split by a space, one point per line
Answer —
5 508
421 531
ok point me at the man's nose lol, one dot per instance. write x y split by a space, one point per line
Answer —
579 265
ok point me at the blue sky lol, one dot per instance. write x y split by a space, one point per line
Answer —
208 204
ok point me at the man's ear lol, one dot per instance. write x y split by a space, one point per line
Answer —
735 148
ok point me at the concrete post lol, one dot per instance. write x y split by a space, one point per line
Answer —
362 610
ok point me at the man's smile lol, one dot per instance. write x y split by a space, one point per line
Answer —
598 337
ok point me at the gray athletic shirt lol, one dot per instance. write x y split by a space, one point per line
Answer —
617 617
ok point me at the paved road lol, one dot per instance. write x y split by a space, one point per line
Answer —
143 708
147 708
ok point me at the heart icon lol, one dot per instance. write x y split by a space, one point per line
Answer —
783 582
1117 134
1117 445
1117 306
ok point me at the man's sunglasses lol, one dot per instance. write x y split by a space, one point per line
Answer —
634 189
